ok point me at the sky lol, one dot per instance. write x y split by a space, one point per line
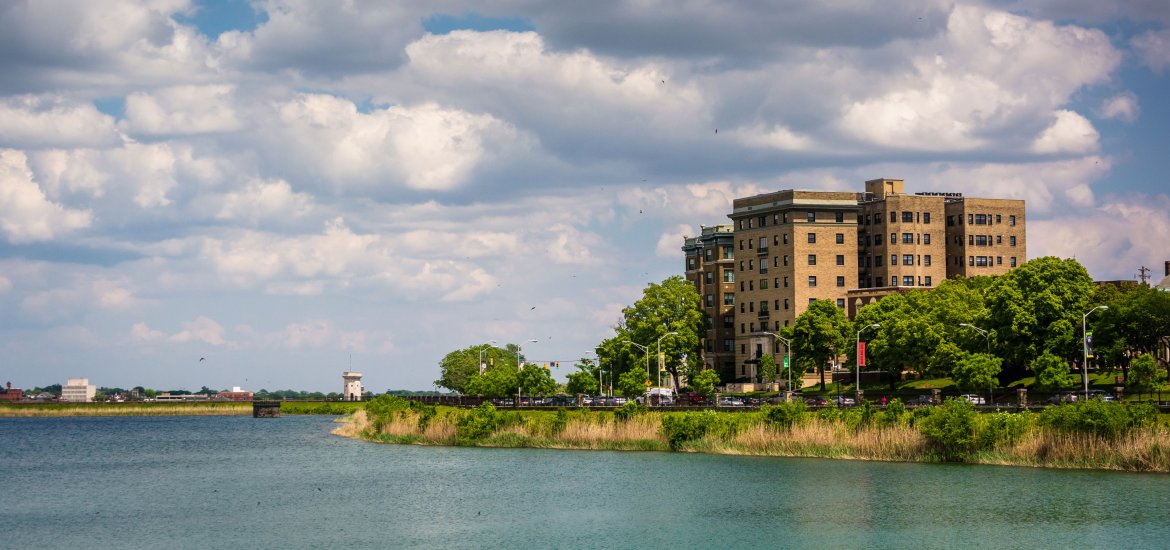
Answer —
292 188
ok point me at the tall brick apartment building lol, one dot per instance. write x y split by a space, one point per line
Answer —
792 247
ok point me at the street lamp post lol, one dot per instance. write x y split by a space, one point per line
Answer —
660 354
986 336
787 356
483 366
645 350
1085 348
857 390
519 368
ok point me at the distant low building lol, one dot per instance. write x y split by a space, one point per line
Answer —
1164 285
78 390
236 394
10 394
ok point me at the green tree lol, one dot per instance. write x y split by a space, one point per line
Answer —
819 335
584 380
767 368
535 380
496 381
632 383
670 306
1037 308
1144 374
1051 373
457 367
976 371
1137 321
705 381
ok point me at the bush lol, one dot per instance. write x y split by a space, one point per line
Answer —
1093 416
785 415
997 429
481 422
950 428
893 414
630 409
684 427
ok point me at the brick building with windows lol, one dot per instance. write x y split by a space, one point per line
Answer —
792 247
710 259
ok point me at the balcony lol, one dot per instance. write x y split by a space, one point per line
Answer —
762 251
763 314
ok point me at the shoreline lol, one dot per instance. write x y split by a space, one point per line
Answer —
999 440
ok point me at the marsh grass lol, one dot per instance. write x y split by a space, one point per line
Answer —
1018 440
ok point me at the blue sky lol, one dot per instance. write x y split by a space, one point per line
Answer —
283 184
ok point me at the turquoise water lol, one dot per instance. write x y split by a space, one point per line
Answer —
198 482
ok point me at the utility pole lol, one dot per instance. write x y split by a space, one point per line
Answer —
1145 274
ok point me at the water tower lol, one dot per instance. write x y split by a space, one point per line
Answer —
353 386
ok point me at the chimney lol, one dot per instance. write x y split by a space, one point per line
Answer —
1168 268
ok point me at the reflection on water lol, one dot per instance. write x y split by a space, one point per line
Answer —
236 481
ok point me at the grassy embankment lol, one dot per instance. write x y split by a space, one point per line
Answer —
1109 437
209 408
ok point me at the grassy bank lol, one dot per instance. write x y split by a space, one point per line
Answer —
125 409
1093 436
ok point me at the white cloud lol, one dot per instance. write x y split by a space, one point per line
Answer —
46 121
202 330
423 147
1123 106
1044 186
26 215
1070 133
670 241
263 200
1153 48
181 110
76 295
140 332
1111 241
5 284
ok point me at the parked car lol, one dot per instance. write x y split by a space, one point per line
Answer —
1102 395
815 401
1062 397
973 399
730 401
921 400
842 401
693 398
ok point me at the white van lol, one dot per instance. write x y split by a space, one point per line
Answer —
658 396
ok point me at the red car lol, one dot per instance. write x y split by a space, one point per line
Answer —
693 399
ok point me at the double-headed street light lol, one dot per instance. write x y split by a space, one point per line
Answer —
857 390
987 336
645 350
1085 348
787 356
482 365
660 354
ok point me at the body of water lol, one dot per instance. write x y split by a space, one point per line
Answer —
266 483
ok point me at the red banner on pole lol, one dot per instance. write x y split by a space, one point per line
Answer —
861 354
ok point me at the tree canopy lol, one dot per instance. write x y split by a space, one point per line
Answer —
819 335
670 306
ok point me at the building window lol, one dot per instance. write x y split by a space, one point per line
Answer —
786 238
950 220
907 259
763 243
776 240
786 260
751 265
729 299
786 303
812 280
907 217
1012 240
709 254
1011 220
812 238
926 260
893 259
763 306
999 239
840 217
708 277
840 238
926 238
981 219
785 282
690 263
840 280
840 259
763 221
710 300
728 276
751 223
893 217
877 262
728 252
763 284
811 216
907 238
907 280
927 281
728 321
893 238
1012 261
841 303
970 261
926 217
981 240
812 259
742 328
811 300
751 285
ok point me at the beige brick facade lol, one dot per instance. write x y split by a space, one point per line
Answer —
791 247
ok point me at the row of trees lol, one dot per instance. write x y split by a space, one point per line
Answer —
976 331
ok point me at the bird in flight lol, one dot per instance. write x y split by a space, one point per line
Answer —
201 359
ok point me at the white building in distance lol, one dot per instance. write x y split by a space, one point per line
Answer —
352 390
78 390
